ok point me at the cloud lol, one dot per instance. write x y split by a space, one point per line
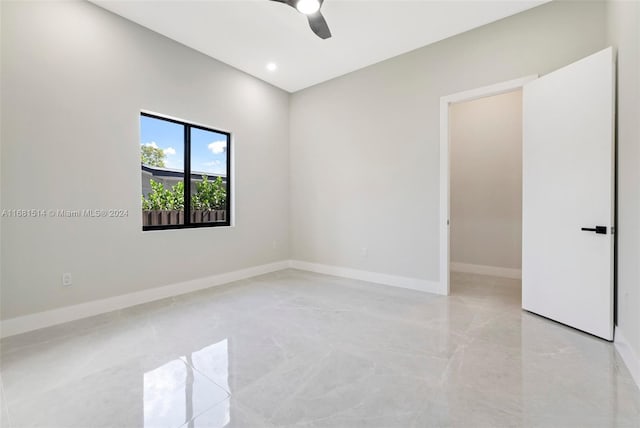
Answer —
168 151
213 163
218 147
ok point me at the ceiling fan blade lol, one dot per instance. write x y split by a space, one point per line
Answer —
316 20
319 25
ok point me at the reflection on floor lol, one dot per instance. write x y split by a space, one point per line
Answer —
301 349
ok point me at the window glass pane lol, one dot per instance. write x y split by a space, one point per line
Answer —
162 168
209 184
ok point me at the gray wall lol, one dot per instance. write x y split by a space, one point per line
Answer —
364 147
623 19
1 162
486 181
74 79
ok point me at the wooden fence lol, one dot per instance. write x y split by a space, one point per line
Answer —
171 217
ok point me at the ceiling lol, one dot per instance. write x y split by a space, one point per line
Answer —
248 34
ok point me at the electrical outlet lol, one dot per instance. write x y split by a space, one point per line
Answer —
66 279
274 244
364 252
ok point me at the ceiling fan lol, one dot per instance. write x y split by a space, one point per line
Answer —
311 8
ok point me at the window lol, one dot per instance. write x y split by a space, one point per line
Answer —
185 174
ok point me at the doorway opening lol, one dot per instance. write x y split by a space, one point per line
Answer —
481 182
485 219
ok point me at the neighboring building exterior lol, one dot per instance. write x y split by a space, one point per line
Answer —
170 177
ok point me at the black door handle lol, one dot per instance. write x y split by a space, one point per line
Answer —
602 230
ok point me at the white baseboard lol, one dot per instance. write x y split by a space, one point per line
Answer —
486 270
23 324
26 323
628 355
378 278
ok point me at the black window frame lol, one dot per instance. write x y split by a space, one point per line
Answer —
187 177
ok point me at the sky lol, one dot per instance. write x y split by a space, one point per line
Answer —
208 149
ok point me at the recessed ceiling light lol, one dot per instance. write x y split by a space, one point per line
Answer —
272 66
308 7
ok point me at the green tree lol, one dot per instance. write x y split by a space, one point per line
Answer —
176 200
152 156
210 195
220 194
164 199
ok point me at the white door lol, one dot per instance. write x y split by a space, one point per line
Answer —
568 186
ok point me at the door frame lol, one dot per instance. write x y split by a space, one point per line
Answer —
445 197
